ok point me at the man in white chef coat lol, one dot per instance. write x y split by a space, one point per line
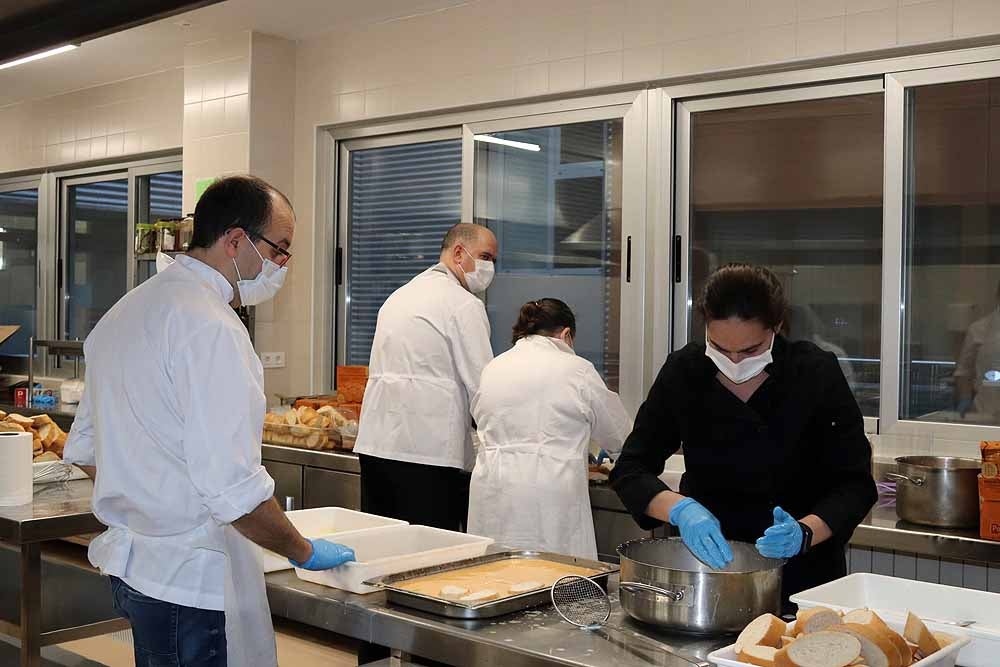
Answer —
170 425
432 341
977 373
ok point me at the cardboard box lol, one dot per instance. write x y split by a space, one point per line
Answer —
990 452
989 508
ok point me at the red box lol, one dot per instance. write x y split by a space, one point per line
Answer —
21 397
989 508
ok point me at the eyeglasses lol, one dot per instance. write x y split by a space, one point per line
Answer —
283 255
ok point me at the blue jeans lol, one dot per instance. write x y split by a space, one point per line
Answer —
170 635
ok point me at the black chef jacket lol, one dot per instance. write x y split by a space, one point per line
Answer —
799 442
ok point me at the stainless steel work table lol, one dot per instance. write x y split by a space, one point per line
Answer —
532 638
57 511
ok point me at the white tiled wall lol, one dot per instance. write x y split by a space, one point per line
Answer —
133 116
216 109
966 574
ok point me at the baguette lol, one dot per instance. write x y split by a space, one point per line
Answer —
11 427
820 649
871 619
765 630
291 418
786 640
876 649
943 638
21 420
816 619
917 633
762 656
46 457
39 421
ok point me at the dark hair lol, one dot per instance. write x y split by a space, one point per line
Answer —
246 202
464 232
543 317
745 291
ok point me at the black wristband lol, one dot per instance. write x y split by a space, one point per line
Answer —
807 538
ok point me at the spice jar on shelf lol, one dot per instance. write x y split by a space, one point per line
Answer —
145 238
186 232
168 236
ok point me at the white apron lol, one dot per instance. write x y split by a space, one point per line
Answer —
249 631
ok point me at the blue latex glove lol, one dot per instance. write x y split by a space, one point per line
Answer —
783 539
701 533
963 406
326 555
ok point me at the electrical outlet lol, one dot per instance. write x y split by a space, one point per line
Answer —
272 359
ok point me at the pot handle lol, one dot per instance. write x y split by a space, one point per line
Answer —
896 477
633 586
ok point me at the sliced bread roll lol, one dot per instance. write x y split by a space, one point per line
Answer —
816 619
762 656
786 640
917 633
765 630
876 649
820 649
871 619
943 638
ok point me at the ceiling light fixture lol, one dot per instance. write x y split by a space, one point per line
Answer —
38 56
490 139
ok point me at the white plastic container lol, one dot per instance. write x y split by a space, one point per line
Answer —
394 549
946 657
333 522
892 597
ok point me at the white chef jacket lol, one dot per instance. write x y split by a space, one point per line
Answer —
981 353
171 416
432 341
538 408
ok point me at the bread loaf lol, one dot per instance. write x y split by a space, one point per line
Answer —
820 649
876 649
47 457
765 630
871 619
816 619
763 656
917 633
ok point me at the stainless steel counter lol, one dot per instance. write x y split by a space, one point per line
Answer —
57 511
531 638
882 529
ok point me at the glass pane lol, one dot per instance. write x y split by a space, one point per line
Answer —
797 187
552 196
951 330
159 198
18 249
96 253
403 199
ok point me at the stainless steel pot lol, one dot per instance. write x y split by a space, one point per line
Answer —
695 598
937 490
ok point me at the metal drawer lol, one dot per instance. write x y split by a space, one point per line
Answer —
326 488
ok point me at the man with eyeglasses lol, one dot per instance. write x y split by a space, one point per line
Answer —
171 419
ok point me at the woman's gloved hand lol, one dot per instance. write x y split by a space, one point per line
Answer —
701 533
783 539
326 555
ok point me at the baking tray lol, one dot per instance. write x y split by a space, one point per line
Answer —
492 608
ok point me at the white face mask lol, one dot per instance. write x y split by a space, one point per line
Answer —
742 371
163 261
262 288
479 280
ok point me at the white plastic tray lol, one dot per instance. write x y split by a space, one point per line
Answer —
334 522
395 549
892 597
946 657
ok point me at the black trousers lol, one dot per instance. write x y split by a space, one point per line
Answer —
423 495
420 494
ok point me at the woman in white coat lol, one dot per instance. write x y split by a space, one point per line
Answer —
538 408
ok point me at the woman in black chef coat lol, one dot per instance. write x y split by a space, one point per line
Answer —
774 447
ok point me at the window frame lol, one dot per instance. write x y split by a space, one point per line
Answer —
41 184
334 145
910 433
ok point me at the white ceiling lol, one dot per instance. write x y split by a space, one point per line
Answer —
158 46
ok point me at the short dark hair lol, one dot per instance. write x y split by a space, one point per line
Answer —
544 317
465 233
241 201
745 291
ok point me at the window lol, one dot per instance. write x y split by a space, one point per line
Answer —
797 187
402 199
159 197
18 273
951 263
96 233
552 196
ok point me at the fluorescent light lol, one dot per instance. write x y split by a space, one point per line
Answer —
507 142
38 56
